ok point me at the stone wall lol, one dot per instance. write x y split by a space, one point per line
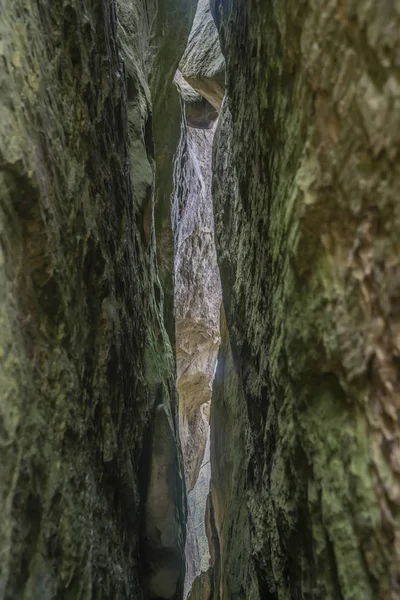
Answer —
87 370
306 187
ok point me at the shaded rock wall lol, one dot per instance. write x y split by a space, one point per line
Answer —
84 355
306 186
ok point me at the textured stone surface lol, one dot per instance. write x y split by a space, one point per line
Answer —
199 112
228 526
198 293
203 587
306 189
197 305
163 533
202 64
84 355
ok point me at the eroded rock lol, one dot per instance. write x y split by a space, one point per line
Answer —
83 343
197 303
199 113
202 64
198 293
307 220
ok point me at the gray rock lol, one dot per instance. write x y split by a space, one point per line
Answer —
202 64
197 305
199 113
163 536
198 293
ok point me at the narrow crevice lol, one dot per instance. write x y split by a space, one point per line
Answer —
197 308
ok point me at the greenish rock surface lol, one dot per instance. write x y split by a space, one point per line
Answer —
86 363
307 218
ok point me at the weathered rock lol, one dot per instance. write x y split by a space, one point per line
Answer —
307 180
84 355
228 524
198 293
197 305
192 554
171 31
202 587
199 112
197 502
202 64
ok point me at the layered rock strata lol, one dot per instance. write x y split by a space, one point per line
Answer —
87 371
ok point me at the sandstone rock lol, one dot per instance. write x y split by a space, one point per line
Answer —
202 64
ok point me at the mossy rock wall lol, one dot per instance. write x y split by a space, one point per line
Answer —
84 353
306 188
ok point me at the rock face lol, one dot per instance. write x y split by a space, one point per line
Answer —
202 64
197 305
87 371
307 219
198 293
198 298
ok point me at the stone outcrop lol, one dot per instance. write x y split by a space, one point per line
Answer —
199 113
87 370
202 587
202 64
307 218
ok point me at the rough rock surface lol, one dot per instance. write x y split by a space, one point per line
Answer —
197 502
202 64
84 355
307 217
198 293
197 306
199 112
